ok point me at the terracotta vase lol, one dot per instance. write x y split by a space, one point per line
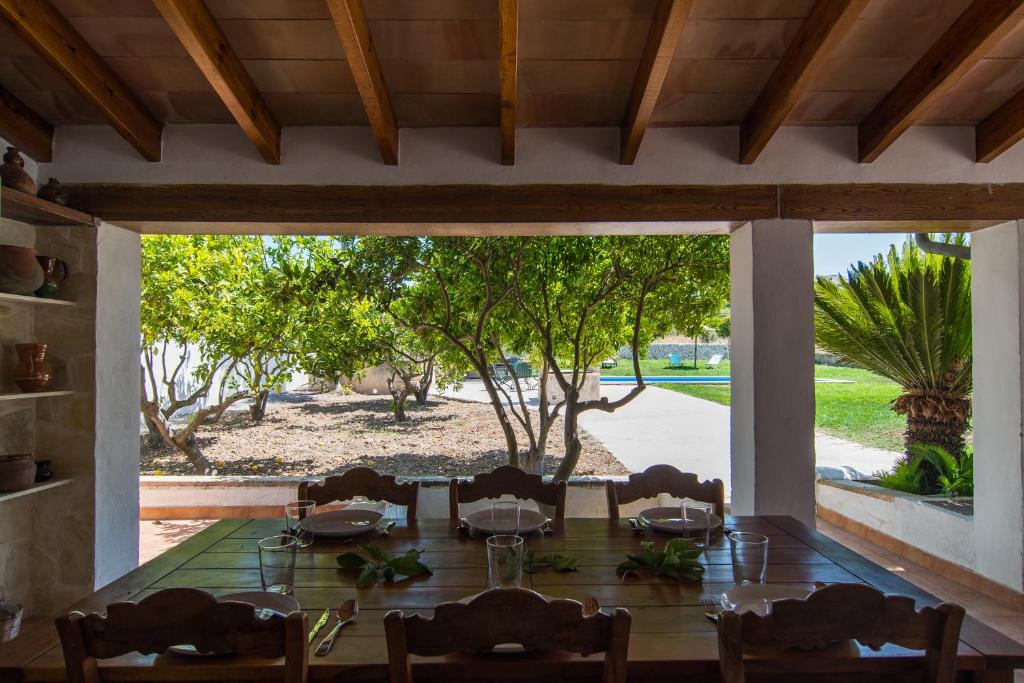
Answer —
54 192
55 272
13 175
34 372
17 472
20 273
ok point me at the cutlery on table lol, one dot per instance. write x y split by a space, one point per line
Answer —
346 614
384 529
590 606
319 624
711 610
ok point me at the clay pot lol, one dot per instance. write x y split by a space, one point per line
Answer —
20 273
13 175
55 272
17 472
43 471
54 192
33 372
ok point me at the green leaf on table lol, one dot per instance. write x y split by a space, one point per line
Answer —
375 552
409 564
678 560
560 563
368 576
350 561
382 565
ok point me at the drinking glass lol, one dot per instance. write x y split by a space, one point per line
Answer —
749 557
505 554
505 517
294 513
696 516
277 563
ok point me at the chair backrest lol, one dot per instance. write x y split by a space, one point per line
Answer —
508 615
363 481
507 480
658 479
715 360
181 616
850 611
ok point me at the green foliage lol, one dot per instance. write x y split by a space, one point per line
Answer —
382 565
956 475
678 560
906 476
560 563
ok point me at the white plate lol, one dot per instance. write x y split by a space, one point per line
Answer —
669 520
275 602
751 596
529 521
341 523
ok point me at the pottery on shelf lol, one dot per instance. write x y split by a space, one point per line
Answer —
55 272
43 471
54 192
17 472
13 174
33 373
20 273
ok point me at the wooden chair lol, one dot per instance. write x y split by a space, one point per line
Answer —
508 615
849 611
507 480
181 616
658 479
363 481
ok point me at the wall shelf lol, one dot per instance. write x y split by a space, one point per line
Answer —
14 396
33 300
35 488
19 206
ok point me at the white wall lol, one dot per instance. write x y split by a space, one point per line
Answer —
349 155
117 403
996 302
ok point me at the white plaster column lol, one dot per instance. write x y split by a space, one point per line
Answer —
117 402
772 364
996 301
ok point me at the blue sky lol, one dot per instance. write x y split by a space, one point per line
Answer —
834 253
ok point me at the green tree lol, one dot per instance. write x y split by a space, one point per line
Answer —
907 316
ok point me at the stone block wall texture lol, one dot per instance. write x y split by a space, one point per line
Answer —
685 351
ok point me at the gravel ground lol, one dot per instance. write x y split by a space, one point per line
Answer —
315 434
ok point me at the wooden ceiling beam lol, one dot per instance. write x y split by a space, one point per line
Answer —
54 39
826 25
350 22
25 129
1001 130
206 43
508 29
971 36
662 40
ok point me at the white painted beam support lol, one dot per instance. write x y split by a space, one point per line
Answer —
997 267
772 363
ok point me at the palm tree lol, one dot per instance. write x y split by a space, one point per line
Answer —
907 316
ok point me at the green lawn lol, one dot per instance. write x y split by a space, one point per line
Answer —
858 412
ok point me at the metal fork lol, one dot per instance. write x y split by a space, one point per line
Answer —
711 610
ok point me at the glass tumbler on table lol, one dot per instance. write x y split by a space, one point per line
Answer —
696 517
294 513
505 517
505 555
277 563
749 557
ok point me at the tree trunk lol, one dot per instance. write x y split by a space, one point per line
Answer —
532 461
398 402
935 420
190 448
154 439
573 445
694 353
258 409
426 381
511 442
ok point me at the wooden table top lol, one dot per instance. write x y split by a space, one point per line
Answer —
670 635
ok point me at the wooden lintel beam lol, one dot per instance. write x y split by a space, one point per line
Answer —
662 39
824 27
971 36
508 44
1001 130
22 127
354 31
54 39
206 43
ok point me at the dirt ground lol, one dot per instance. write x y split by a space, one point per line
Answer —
316 434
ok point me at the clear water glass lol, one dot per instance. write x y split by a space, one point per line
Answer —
749 557
277 563
696 517
294 513
505 555
505 517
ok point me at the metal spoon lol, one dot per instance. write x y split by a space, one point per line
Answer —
346 614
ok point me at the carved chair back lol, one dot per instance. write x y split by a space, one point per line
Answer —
842 612
363 481
507 480
658 479
181 616
508 615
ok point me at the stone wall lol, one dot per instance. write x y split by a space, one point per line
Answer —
685 351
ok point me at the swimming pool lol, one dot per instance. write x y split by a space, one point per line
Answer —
666 379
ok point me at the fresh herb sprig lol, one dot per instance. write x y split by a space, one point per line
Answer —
678 560
382 565
560 563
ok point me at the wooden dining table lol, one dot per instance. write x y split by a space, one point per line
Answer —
671 638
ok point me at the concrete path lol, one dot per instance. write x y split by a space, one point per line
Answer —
663 426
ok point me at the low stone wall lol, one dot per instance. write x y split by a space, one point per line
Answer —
684 351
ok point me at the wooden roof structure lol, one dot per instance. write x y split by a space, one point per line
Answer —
880 65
